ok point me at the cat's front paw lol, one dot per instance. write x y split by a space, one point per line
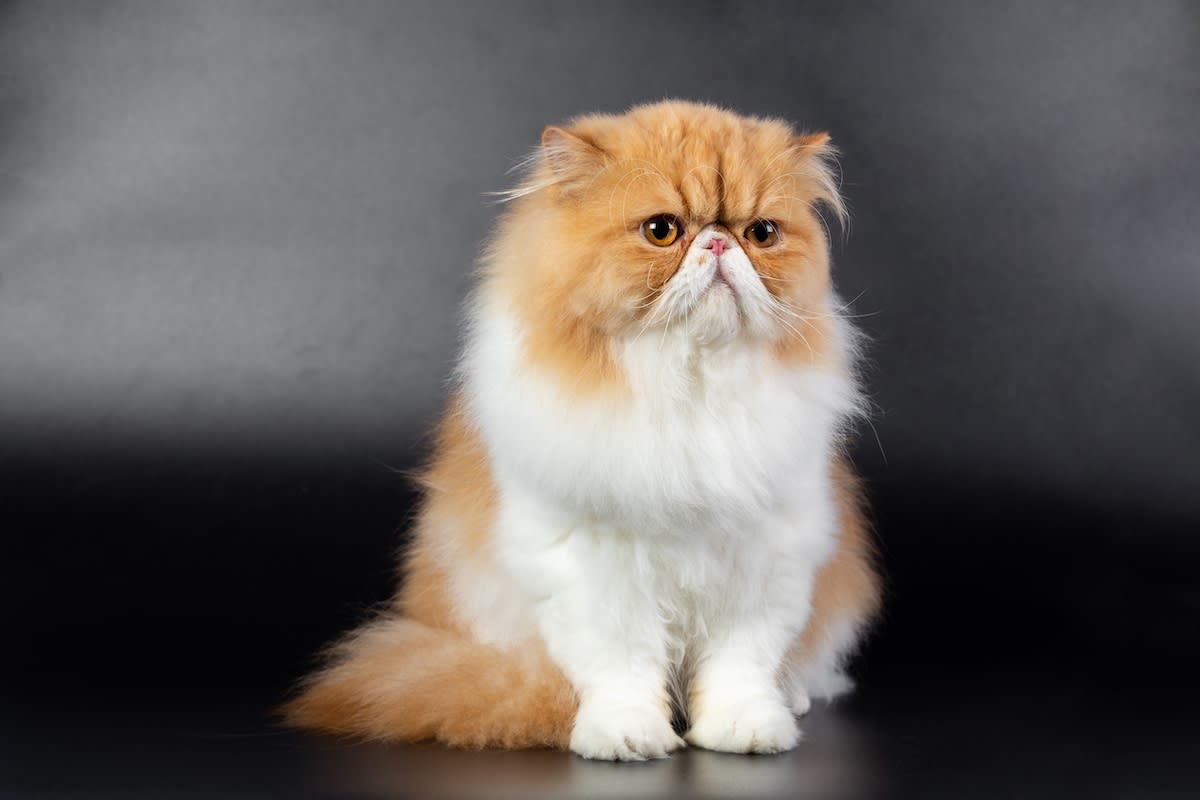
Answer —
752 727
623 734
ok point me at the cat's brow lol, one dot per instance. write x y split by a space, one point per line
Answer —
722 187
630 176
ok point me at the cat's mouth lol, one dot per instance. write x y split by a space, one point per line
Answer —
720 278
712 297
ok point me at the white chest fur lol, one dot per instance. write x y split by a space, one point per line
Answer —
706 440
712 473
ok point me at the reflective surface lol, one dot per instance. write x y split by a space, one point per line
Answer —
157 612
920 737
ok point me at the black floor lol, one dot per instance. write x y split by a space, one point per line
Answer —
908 734
156 613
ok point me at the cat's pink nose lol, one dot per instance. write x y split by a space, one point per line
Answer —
717 244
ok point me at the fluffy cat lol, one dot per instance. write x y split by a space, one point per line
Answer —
637 508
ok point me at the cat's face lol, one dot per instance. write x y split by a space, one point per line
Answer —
673 216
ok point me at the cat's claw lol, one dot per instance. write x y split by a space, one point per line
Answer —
632 734
761 727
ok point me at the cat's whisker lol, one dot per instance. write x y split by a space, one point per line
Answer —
879 442
628 186
809 315
843 316
852 300
836 312
785 176
667 325
650 167
613 193
649 300
824 177
628 179
782 153
782 309
642 328
649 270
526 162
785 307
793 329
521 190
825 226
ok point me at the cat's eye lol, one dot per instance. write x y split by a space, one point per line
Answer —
661 230
763 233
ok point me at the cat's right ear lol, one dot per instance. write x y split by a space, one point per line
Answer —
571 157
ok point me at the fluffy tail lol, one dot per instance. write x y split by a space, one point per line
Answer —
400 680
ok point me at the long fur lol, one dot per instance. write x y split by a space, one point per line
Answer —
637 498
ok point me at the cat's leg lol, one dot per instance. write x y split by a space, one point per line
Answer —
814 668
736 701
598 614
816 672
614 651
846 598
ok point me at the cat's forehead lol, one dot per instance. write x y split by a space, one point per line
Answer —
713 162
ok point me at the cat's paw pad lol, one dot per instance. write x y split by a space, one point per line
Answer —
756 727
624 734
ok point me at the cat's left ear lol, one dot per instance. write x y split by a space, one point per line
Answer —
570 155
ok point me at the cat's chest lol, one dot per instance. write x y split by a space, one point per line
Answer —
699 438
707 421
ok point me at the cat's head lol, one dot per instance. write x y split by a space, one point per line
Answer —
672 217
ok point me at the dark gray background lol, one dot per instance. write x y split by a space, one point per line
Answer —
234 237
249 225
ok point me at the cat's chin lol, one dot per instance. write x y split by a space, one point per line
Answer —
715 319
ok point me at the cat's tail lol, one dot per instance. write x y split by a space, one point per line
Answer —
400 680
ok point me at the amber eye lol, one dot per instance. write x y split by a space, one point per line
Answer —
763 233
661 230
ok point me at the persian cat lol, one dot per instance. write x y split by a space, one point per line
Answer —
637 519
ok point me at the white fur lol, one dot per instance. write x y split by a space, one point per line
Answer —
681 524
820 674
498 606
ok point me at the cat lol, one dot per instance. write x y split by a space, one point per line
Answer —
638 509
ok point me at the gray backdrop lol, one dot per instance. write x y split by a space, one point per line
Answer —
234 226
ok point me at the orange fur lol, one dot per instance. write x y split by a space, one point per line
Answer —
399 680
458 508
